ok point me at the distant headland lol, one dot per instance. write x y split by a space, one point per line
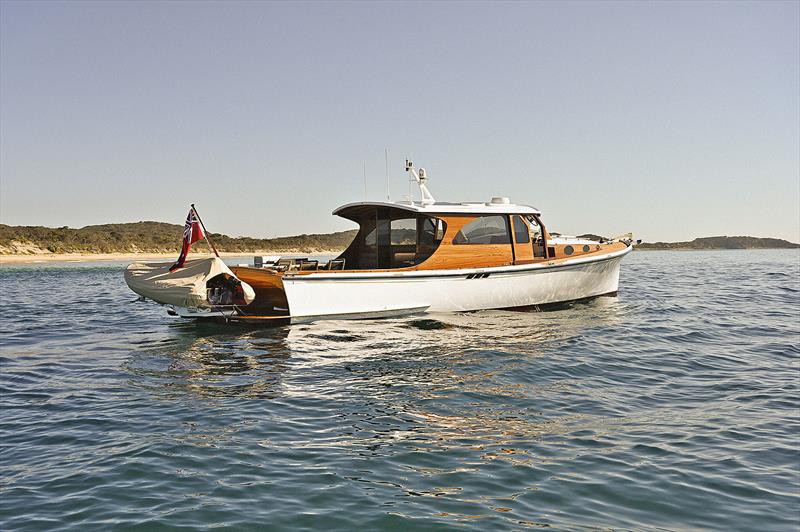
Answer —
158 238
722 242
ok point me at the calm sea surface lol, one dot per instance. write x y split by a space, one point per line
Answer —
675 405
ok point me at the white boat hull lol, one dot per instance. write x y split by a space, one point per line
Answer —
363 294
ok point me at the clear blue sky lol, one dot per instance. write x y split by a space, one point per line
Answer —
670 119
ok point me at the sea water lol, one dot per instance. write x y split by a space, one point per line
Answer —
675 405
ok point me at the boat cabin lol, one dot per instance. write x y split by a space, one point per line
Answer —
443 235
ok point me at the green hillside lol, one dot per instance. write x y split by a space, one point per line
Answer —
150 237
723 242
710 242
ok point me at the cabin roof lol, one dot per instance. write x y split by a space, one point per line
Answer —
440 207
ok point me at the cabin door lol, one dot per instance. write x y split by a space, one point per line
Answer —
523 251
537 237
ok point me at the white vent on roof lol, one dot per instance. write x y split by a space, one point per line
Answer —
499 200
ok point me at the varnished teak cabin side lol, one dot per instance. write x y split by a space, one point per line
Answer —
449 256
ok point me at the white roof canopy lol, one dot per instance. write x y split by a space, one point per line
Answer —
498 207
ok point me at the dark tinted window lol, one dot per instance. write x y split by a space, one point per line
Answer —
369 239
521 235
484 230
404 231
427 235
431 232
390 239
536 229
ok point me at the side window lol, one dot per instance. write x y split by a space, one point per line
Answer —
427 232
431 232
404 232
538 241
368 229
536 229
521 235
484 230
369 239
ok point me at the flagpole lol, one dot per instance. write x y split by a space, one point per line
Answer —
208 235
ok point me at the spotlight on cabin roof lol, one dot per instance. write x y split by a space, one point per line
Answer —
499 200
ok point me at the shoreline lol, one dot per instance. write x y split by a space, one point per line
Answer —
133 257
34 258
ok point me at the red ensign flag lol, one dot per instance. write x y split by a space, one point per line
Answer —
192 232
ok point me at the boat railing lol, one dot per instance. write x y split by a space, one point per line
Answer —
306 264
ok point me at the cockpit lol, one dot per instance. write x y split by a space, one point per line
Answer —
391 237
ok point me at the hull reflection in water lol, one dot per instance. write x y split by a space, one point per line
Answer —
215 359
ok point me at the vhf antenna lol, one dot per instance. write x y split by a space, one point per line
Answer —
386 159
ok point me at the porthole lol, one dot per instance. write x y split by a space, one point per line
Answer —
586 248
569 250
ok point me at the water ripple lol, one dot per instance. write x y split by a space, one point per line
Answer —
673 406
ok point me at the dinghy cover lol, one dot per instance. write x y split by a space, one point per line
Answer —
184 287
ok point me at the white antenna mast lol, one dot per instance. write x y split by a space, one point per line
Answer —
386 158
420 176
410 191
365 180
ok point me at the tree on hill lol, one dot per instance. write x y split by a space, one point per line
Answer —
153 237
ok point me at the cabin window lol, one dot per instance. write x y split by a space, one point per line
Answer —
431 231
390 238
521 235
536 237
369 239
403 242
413 239
384 234
368 255
484 230
404 232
